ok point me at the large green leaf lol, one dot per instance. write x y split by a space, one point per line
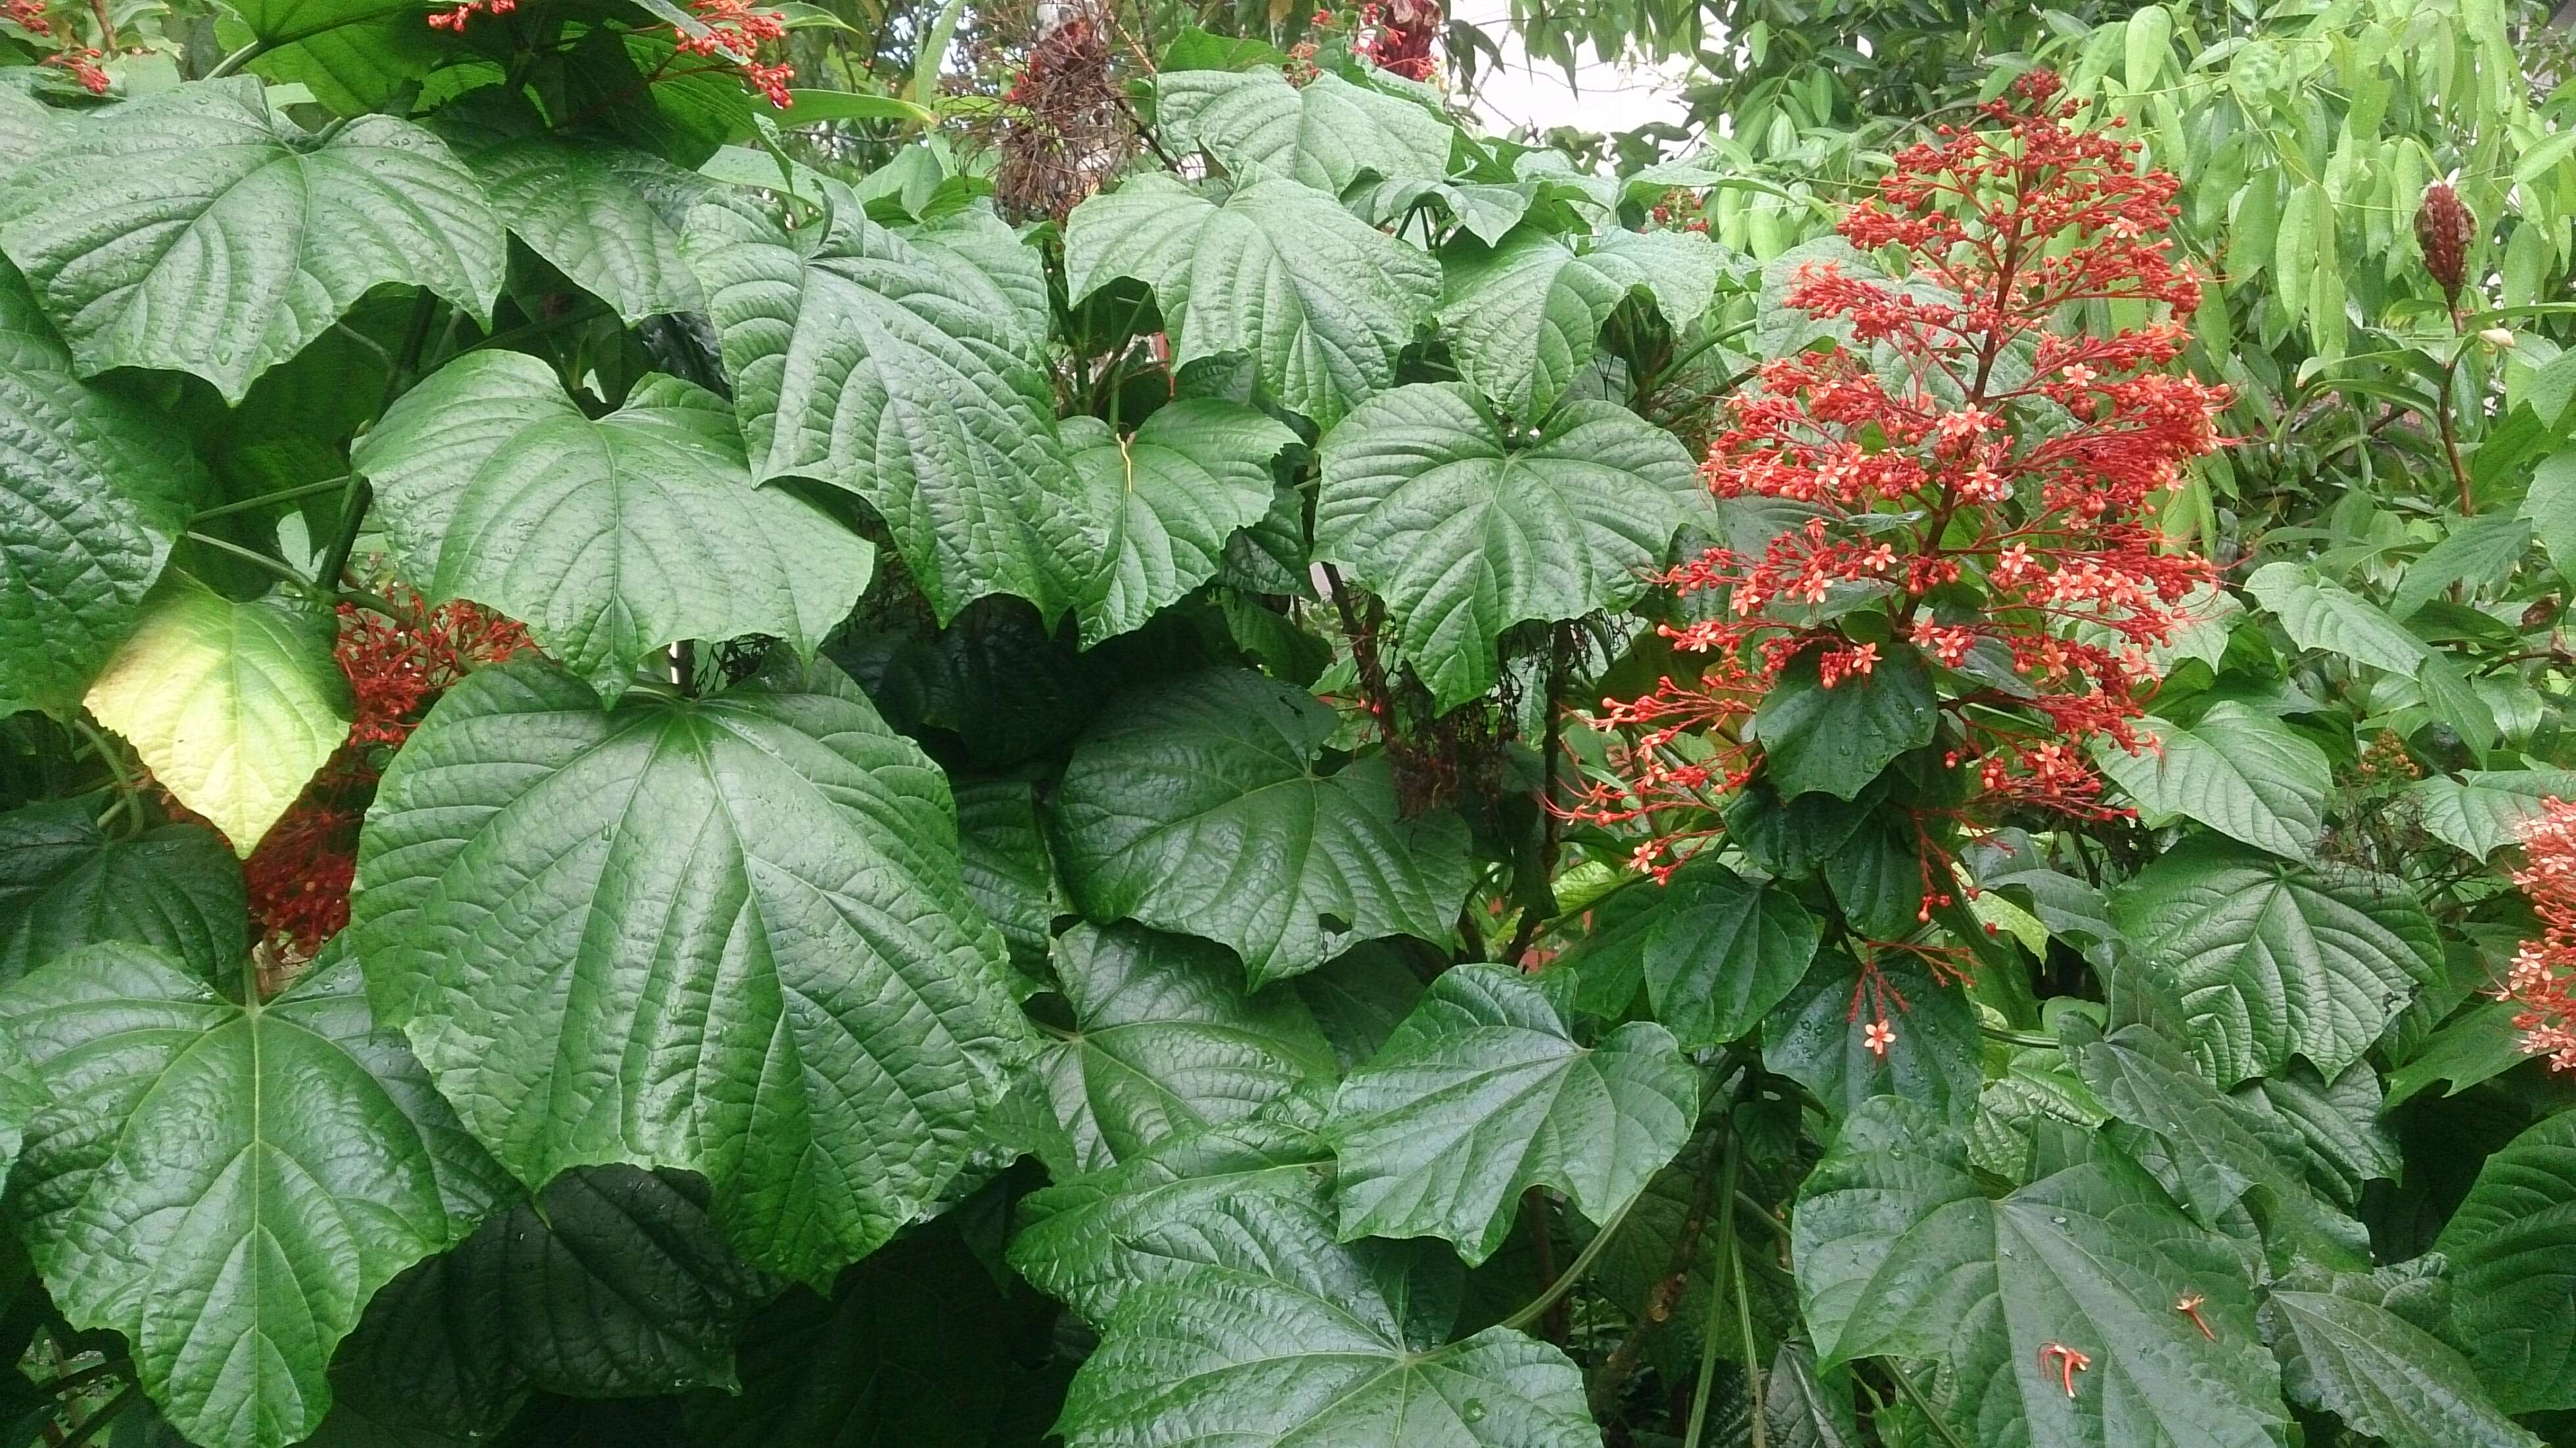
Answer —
1319 300
1166 1043
610 1282
2336 1124
607 537
1171 496
92 490
2383 1375
1837 740
66 883
1713 950
27 127
1325 133
859 361
607 216
1524 318
1200 807
1817 1036
198 231
2320 614
2244 774
228 1185
233 705
1246 1322
2512 1247
2484 810
1239 1191
2219 1162
725 935
1001 842
1899 1254
2268 960
1482 1094
1464 535
354 55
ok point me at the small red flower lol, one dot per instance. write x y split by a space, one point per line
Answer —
2189 1306
2069 1363
1878 1038
2542 978
29 13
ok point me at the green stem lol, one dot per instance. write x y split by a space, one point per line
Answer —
1716 1300
75 1381
1582 1263
107 1414
2017 1038
1921 1403
251 556
1752 1355
128 793
309 490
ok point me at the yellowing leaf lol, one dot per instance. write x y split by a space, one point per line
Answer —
232 705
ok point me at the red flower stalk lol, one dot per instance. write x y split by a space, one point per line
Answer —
1975 484
2542 978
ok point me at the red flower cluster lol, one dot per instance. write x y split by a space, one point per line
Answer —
2542 979
733 36
298 878
1974 483
455 19
29 13
1401 36
82 62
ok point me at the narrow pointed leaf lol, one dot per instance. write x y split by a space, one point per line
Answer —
228 1187
723 935
198 231
1200 807
232 705
610 537
1482 1094
1465 535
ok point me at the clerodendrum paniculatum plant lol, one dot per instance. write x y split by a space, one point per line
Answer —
655 788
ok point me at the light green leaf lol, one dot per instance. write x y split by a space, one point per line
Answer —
1463 535
1171 495
233 706
2269 960
2323 615
814 107
2550 506
354 55
2242 773
1524 319
1837 740
2479 552
66 883
198 231
1166 1043
1198 807
227 1186
1326 133
610 1282
27 128
2512 1247
860 361
2383 1375
1319 300
1482 1094
2336 1124
1817 1036
1900 1254
610 537
606 216
92 490
725 935
2485 810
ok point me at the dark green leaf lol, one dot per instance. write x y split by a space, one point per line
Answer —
1326 133
2512 1246
1816 1036
2382 1375
1171 496
65 883
1837 740
1525 318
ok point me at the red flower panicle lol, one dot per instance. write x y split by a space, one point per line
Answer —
1401 33
1983 472
29 13
298 878
2542 978
82 62
733 34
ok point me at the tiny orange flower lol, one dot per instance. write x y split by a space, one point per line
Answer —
2069 1363
2189 1306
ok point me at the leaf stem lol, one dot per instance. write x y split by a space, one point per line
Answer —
309 490
1611 1378
129 795
106 1414
278 566
1707 1381
1582 1263
1921 1403
1752 1355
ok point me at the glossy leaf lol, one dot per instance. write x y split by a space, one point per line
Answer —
2244 774
1524 319
2484 810
66 883
232 705
1326 133
862 362
1836 740
1171 496
1465 535
610 537
1817 1037
1900 1254
227 1187
2268 960
92 490
198 231
2512 1248
1482 1094
606 216
2383 1375
747 953
1202 807
1320 301
354 55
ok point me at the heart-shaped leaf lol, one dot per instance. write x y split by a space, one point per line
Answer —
1524 318
1172 496
66 883
1326 133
